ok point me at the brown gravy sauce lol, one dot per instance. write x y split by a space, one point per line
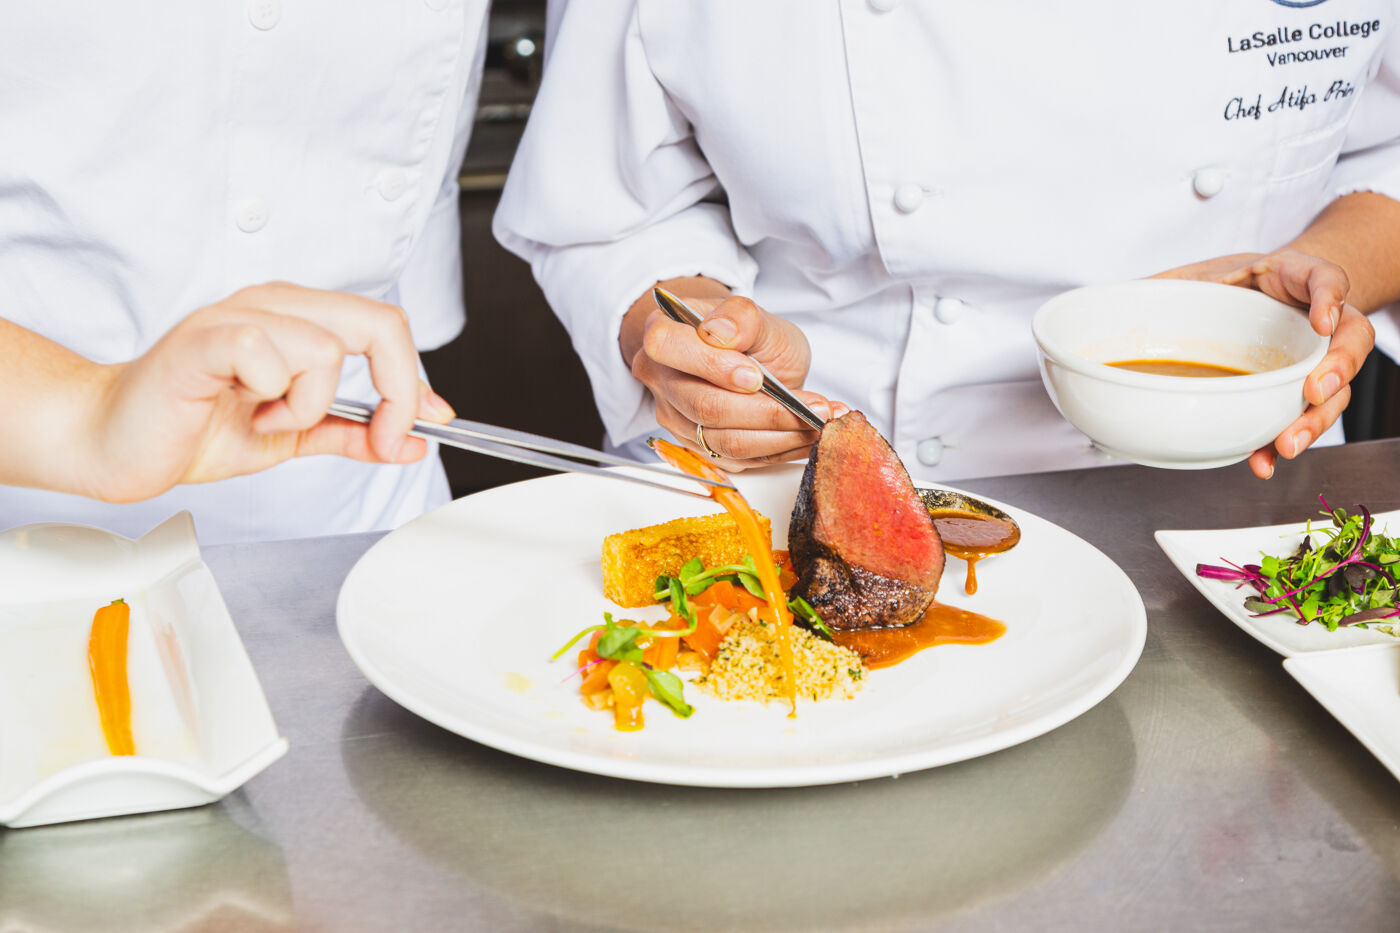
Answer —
940 625
1179 368
973 536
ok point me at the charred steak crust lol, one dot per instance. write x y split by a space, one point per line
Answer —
853 598
845 594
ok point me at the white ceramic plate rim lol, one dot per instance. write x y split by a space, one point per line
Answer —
212 786
1128 632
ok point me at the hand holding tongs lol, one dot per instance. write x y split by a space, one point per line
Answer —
679 311
523 447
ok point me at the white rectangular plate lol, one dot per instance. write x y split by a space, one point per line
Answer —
1241 546
1361 688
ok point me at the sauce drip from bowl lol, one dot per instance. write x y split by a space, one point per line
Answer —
973 536
760 549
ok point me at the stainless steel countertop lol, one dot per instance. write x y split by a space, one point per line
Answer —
1209 792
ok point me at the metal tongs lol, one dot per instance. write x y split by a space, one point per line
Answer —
531 449
679 311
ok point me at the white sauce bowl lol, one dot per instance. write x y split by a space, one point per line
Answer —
1178 422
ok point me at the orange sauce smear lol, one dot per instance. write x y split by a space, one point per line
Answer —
107 650
760 548
940 625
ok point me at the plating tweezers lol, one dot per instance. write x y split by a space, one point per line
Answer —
531 449
679 311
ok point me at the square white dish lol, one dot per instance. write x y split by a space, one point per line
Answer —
1361 688
201 724
1186 549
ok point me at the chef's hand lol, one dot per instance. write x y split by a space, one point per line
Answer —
702 379
244 384
1321 287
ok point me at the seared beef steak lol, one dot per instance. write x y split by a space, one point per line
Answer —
862 542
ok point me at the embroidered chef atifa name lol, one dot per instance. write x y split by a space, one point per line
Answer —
1274 44
1290 98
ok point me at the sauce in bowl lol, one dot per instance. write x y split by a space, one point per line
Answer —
1179 368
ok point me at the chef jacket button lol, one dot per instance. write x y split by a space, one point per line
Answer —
929 451
264 14
250 214
949 310
392 182
883 6
436 5
1208 182
907 198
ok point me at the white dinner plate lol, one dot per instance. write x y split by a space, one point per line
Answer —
456 614
1361 688
1242 546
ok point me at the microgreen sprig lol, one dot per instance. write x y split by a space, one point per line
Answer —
694 578
619 643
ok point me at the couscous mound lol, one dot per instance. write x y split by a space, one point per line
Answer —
747 666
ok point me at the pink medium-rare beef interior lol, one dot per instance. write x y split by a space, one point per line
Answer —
867 509
864 546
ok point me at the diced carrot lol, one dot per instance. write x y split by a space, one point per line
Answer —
598 701
708 633
787 576
661 653
629 686
596 677
726 594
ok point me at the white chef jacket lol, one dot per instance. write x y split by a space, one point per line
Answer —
154 160
909 181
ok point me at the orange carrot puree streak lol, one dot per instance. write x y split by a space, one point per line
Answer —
107 661
760 548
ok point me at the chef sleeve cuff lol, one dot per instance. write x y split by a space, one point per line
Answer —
590 287
1375 169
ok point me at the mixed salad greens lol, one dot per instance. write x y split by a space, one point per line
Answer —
1348 577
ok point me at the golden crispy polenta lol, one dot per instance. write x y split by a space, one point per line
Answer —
632 560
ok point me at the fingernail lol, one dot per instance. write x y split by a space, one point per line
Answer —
721 329
1329 385
1335 316
748 378
1301 440
1270 474
822 409
432 405
395 449
840 411
439 407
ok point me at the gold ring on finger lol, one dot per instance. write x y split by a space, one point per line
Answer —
700 439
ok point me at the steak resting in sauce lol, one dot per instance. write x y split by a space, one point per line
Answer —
862 542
